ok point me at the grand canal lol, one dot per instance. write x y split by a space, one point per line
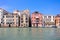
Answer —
29 34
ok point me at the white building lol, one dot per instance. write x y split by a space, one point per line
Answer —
24 18
10 19
19 13
49 20
2 12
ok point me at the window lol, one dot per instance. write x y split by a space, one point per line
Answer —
49 16
3 22
34 17
12 16
53 16
26 21
12 22
21 18
21 21
7 22
3 16
45 16
16 16
26 18
21 24
37 21
37 18
9 16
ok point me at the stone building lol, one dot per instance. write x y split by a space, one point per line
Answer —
24 18
49 20
37 19
10 20
57 20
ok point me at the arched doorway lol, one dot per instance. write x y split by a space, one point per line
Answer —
9 25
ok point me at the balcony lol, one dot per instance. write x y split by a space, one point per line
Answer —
37 21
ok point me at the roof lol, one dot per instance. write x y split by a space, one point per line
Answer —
36 12
58 15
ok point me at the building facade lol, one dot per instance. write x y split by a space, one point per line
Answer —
10 20
57 20
37 19
49 21
2 12
24 18
17 12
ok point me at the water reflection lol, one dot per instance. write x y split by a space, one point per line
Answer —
29 34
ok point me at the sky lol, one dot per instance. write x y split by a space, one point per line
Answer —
46 7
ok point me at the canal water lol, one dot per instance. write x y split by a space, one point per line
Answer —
29 34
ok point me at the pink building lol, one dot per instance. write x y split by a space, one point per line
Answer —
37 19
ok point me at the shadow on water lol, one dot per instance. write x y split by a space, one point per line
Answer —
18 29
29 29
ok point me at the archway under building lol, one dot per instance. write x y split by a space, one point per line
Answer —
9 25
